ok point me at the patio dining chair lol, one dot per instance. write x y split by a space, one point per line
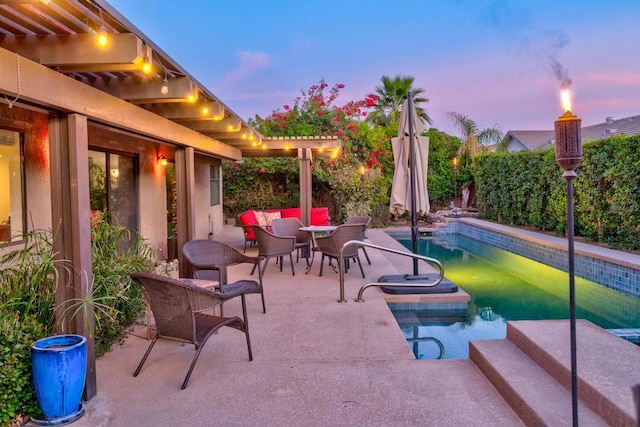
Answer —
361 220
330 245
210 259
291 227
272 246
181 311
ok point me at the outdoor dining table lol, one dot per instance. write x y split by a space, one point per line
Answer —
313 230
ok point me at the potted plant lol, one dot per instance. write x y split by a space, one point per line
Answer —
59 365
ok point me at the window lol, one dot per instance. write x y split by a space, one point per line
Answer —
113 187
12 209
215 185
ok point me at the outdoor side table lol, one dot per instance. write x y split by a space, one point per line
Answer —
313 230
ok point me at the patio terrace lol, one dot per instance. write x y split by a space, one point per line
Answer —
316 362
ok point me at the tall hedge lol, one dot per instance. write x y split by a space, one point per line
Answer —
527 189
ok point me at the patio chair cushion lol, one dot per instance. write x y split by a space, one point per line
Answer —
318 216
270 216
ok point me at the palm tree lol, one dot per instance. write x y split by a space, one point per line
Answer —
474 139
390 96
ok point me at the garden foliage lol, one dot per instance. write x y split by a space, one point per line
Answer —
338 181
527 189
28 281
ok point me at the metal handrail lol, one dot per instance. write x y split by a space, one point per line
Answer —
434 339
394 251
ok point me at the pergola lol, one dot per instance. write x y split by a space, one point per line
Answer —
50 61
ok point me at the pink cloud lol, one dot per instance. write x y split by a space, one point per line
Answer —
250 64
621 79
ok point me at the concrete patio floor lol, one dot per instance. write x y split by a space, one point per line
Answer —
316 362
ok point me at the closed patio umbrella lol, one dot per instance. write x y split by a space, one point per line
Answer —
401 191
410 154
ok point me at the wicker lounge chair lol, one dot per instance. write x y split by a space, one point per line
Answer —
272 246
180 313
330 245
210 259
291 227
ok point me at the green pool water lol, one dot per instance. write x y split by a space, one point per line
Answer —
503 286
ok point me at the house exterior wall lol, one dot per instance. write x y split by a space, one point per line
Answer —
514 145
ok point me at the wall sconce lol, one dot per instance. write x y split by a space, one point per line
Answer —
162 160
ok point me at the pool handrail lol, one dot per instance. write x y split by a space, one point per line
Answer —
385 249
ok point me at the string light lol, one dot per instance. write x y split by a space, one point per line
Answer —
102 39
165 85
146 65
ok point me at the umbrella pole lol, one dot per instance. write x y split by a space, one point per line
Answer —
412 172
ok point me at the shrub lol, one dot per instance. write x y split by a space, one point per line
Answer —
527 189
27 285
17 395
115 254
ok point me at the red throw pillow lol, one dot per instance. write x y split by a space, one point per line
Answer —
290 213
319 216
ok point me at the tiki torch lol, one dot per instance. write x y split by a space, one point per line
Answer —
568 157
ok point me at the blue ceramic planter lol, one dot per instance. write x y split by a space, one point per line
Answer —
59 368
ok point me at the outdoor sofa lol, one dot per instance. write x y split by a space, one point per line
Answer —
318 216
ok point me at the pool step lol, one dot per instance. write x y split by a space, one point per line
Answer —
531 368
533 394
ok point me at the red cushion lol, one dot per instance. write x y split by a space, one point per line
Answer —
290 213
247 219
319 216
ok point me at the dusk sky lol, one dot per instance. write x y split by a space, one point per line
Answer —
488 59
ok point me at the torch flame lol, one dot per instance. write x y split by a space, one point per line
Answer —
566 100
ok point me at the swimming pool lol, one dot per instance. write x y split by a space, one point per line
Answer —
502 286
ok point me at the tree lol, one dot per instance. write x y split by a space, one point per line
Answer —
316 113
389 99
474 139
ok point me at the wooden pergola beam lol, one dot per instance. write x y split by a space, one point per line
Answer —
216 128
199 110
79 52
149 89
43 86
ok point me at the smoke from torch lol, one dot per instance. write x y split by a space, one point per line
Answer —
561 73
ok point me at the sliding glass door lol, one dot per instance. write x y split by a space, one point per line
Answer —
113 187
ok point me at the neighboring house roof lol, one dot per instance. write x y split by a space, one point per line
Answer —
628 126
531 140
